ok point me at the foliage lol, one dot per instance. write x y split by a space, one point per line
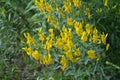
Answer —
14 21
68 36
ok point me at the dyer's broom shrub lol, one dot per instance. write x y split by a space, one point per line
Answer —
68 38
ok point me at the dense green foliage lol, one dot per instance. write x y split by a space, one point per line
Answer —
17 17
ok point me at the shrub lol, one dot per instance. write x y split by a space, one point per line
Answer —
68 38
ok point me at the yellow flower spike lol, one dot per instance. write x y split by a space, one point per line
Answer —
50 18
107 46
84 36
89 28
49 8
68 7
103 37
76 51
75 59
41 5
96 38
36 55
69 21
99 10
42 37
50 60
45 59
62 14
39 30
29 51
76 24
69 55
63 62
87 13
91 54
77 3
50 30
105 2
30 40
56 24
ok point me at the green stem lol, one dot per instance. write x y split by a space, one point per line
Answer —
109 63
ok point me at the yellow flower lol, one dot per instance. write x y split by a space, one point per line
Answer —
49 8
50 30
77 3
42 36
84 37
41 5
47 59
87 13
96 37
56 24
105 2
51 33
68 7
89 28
50 60
30 40
29 51
103 37
48 44
50 18
78 28
35 55
76 51
59 43
64 62
107 46
62 14
69 21
91 54
99 10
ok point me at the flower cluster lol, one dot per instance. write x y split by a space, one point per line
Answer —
69 38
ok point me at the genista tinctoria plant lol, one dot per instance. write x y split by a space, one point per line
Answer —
68 38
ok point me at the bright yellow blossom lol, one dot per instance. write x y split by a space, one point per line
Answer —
69 21
47 59
30 40
84 37
42 36
35 55
89 28
91 54
49 8
29 51
77 3
87 13
107 46
41 5
103 37
64 62
68 7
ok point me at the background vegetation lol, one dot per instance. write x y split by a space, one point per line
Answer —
17 17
